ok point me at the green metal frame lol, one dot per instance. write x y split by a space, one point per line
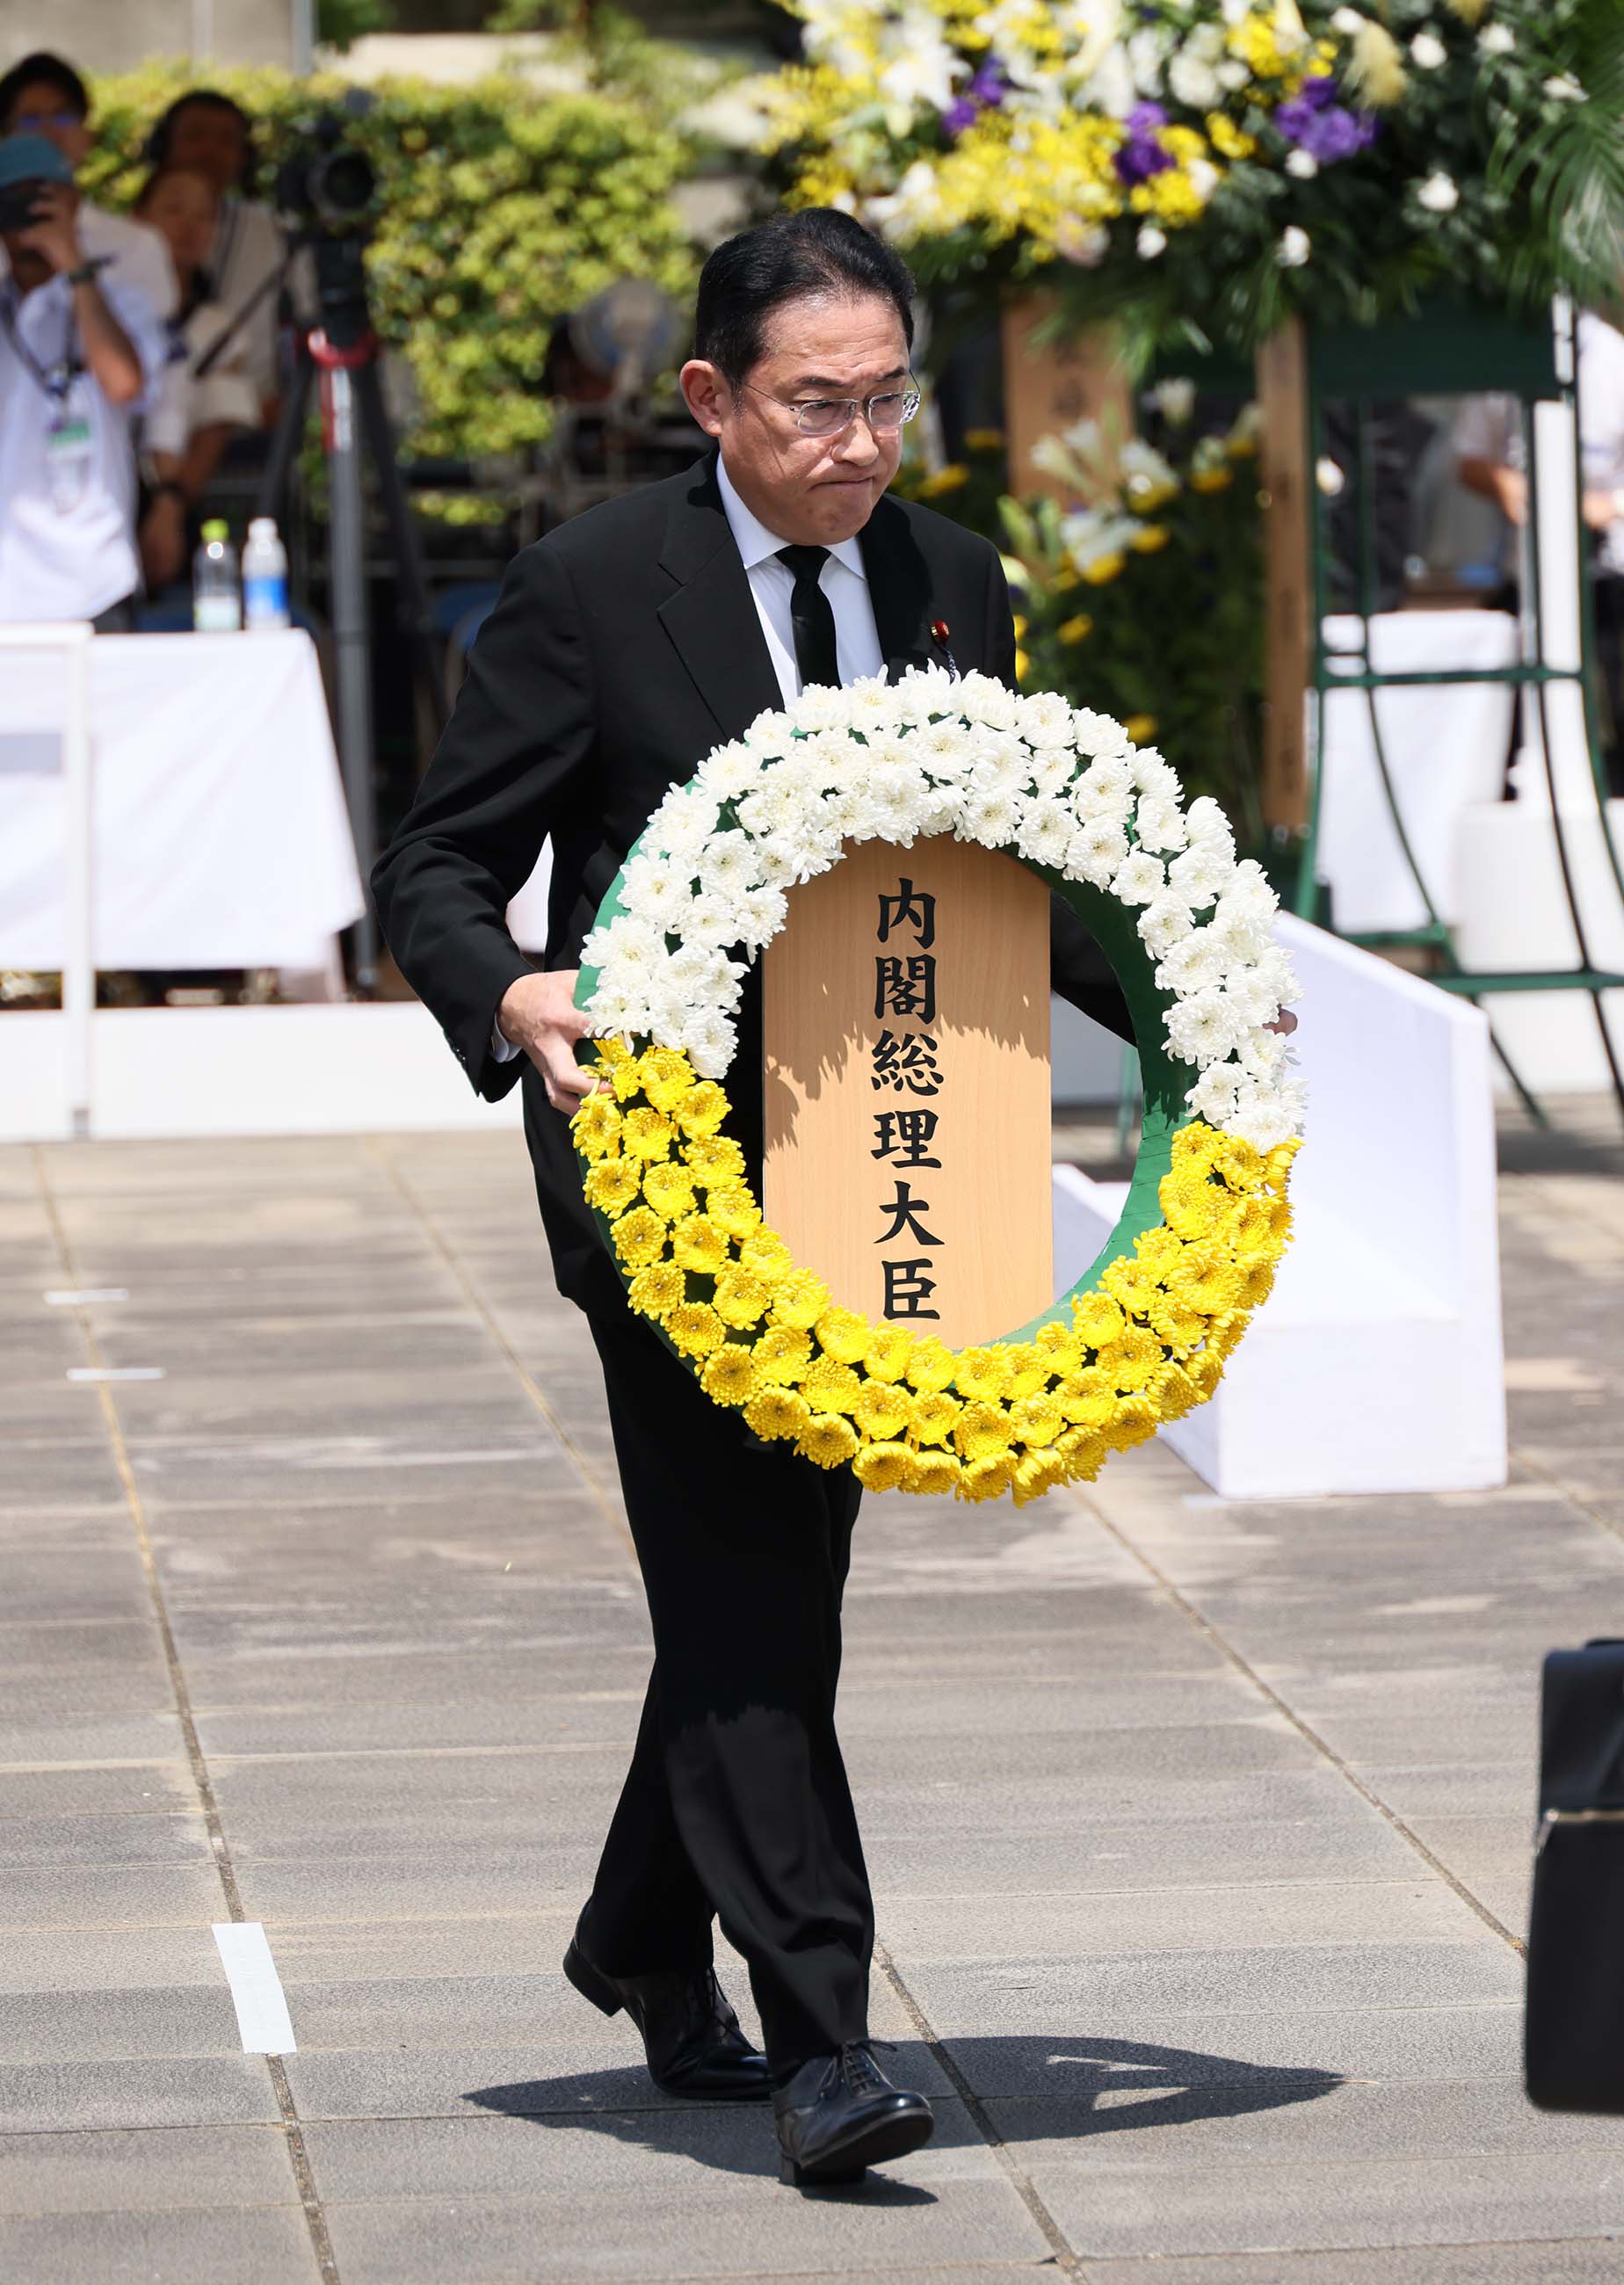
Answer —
1450 350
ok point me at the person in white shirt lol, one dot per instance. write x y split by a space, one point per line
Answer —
79 356
1489 459
206 133
45 95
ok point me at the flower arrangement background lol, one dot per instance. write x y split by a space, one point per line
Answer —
1143 599
1210 168
1143 1337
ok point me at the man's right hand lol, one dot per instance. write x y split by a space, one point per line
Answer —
540 1015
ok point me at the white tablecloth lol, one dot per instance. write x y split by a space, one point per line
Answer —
221 834
1446 747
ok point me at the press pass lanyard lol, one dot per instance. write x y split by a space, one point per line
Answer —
67 439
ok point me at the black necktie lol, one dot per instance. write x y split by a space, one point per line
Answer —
811 616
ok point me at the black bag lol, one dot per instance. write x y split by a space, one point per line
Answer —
1573 2018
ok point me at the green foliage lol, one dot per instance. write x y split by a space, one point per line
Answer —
340 23
499 209
1144 598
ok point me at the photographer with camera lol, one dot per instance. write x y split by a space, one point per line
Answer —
79 356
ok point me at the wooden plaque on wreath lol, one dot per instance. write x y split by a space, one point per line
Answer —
907 1032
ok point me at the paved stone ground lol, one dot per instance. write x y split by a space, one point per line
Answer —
1199 1832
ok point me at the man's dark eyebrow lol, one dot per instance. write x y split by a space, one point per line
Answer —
842 387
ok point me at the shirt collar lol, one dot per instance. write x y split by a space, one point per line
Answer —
756 544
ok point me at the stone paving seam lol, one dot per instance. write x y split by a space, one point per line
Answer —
526 1378
305 2181
1326 1753
1066 2259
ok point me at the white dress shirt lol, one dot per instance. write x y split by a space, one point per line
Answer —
1488 428
842 579
68 561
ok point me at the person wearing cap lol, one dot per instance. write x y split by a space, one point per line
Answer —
79 354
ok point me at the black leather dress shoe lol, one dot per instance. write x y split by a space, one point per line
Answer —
691 2036
840 2114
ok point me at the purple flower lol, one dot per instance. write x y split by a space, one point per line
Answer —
1325 129
985 93
961 114
1142 155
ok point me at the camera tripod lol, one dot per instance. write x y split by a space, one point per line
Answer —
342 350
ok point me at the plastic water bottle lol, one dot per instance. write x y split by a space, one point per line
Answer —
216 597
264 577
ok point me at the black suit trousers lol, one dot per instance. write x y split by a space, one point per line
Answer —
736 1804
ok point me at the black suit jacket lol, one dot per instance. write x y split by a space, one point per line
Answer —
624 647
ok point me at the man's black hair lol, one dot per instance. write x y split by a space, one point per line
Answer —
43 70
160 142
816 251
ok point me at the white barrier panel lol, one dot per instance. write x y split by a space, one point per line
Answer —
1376 1365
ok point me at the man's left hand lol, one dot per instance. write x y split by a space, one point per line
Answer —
1285 1024
54 235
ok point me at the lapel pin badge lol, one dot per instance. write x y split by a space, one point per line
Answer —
939 633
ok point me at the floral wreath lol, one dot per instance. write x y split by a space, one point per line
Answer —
1142 1336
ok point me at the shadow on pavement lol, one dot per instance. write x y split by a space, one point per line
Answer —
1058 2083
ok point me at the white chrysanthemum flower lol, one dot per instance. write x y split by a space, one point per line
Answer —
1044 833
1105 790
1214 1094
777 806
761 913
1044 719
823 706
1001 771
1150 771
1164 922
1496 39
1095 734
899 800
1427 50
1053 772
1263 1054
1294 248
711 1044
729 865
1207 823
942 748
985 699
1439 194
1138 878
655 887
770 733
1202 873
988 818
1249 989
872 701
1159 824
1193 80
1194 964
1204 1028
1242 940
1261 1118
889 750
1303 164
1095 851
732 769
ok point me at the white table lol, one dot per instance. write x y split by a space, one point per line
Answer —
1446 746
219 836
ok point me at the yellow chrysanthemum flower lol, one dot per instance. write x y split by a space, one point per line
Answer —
1190 1200
783 1353
1256 1283
647 1134
626 1078
1139 1354
613 1052
654 1292
1171 1392
1211 480
697 1243
935 1473
1037 1473
1077 629
596 1128
739 1299
695 1329
638 1238
931 1366
1176 1326
1227 138
1205 1280
986 1478
828 1440
1036 1419
843 1334
885 1355
883 1467
1204 1370
764 1254
883 1410
1063 1351
669 1188
1150 539
1131 1284
1133 1420
1088 1398
729 1377
829 1386
981 1429
702 1109
799 1300
612 1185
1084 1452
934 1416
731 1204
1030 1369
1097 1319
1158 1250
1103 569
667 1077
773 1413
715 1158
982 1373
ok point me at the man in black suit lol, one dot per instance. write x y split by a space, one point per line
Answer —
625 646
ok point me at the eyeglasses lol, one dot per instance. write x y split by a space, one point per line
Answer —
832 416
30 123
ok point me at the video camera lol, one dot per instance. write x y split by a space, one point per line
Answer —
21 205
326 186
